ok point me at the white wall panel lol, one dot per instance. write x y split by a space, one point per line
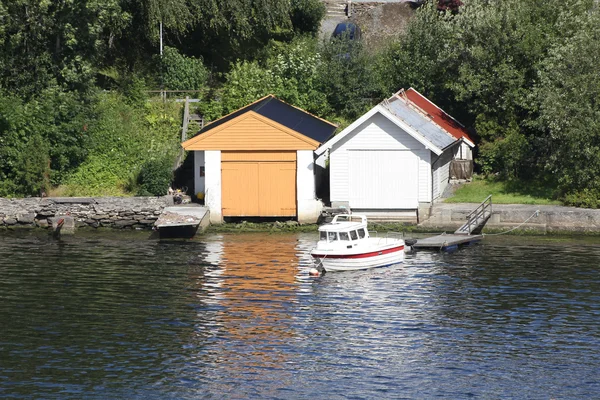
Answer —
384 179
212 197
424 175
199 181
441 173
308 207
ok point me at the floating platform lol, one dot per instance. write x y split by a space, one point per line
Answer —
446 242
182 221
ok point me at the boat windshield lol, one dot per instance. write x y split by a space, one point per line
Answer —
331 236
353 235
344 236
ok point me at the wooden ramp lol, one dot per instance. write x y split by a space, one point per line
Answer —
445 242
182 221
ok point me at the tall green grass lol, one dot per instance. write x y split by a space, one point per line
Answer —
504 192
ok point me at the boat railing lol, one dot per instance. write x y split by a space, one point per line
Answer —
388 236
395 235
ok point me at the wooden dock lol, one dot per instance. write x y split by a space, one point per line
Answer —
182 221
446 242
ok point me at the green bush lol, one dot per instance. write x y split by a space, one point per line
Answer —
155 177
306 15
181 72
586 198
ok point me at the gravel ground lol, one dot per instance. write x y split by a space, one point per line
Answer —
378 23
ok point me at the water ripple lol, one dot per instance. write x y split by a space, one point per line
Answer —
102 315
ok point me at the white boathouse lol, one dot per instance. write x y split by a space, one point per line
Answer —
396 158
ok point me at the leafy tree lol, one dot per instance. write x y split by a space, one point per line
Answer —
420 58
345 75
41 140
306 15
155 177
498 49
568 91
181 72
226 31
44 43
481 65
246 82
296 66
24 154
290 73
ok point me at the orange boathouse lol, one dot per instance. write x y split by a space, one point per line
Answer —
258 162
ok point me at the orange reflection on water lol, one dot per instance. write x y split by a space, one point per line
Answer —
259 287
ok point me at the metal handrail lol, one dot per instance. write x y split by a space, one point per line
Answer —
473 218
483 205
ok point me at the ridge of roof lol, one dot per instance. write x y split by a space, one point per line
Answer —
233 112
401 95
397 102
304 111
441 118
386 112
284 114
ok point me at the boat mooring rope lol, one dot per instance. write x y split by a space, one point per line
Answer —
535 214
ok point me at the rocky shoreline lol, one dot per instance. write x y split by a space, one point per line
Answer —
140 213
95 212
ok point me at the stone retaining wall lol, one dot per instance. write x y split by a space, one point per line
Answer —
111 212
448 216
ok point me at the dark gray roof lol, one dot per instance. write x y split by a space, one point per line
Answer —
284 114
419 122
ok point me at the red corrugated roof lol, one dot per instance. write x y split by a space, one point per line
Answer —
438 115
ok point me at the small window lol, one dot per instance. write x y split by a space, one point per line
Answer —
344 236
322 235
353 235
331 236
361 233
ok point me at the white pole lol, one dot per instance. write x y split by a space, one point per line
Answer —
162 94
161 43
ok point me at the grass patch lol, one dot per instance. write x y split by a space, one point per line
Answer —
504 192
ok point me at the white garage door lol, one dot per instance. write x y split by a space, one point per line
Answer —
383 179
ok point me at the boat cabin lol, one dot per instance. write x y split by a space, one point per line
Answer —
344 228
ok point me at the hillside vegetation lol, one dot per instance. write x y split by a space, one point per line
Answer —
77 115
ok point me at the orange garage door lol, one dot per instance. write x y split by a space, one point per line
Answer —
258 184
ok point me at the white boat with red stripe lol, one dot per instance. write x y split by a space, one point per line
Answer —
346 245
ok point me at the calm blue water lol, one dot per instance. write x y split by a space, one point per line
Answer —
235 316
